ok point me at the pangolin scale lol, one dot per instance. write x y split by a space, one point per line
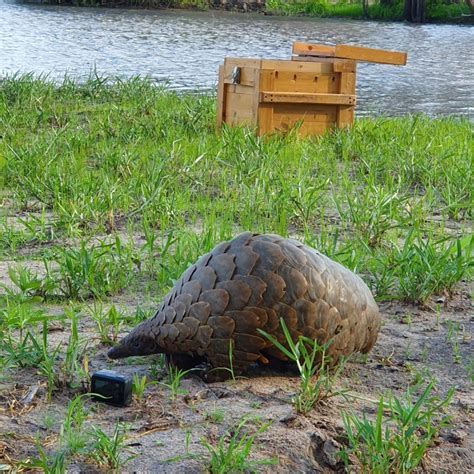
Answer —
249 283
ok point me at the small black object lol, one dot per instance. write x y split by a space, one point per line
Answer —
115 387
236 72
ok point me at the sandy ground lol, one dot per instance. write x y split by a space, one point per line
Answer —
413 342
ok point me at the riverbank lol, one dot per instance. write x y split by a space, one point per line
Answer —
437 11
112 189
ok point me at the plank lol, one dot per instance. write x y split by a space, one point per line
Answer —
220 98
345 115
291 113
265 111
371 55
247 68
298 66
239 89
304 128
304 98
346 51
239 117
306 82
236 101
339 65
256 95
313 49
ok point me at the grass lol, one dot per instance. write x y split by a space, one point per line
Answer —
316 378
435 10
117 186
397 441
232 450
379 198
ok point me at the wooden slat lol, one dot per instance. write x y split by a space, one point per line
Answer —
297 66
345 115
339 65
304 128
220 98
237 102
247 70
346 51
239 117
239 89
292 113
371 55
313 49
304 98
256 95
265 111
306 82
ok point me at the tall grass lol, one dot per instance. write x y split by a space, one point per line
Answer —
107 156
435 10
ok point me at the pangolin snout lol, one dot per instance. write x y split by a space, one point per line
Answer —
117 352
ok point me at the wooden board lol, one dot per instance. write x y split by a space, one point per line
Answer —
305 128
220 98
265 111
339 65
305 98
306 82
292 113
345 51
371 55
296 66
313 49
345 114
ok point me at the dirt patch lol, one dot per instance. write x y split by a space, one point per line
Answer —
413 344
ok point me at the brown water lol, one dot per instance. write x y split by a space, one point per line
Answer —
185 48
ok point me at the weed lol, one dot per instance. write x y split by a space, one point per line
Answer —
231 452
397 442
175 375
216 416
108 323
310 358
107 450
138 386
28 284
90 271
72 436
49 463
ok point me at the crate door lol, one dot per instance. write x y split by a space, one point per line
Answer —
310 97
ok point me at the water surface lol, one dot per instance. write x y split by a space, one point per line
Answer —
185 49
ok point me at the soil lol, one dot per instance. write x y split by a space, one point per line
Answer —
413 343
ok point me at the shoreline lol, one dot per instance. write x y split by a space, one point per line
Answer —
376 12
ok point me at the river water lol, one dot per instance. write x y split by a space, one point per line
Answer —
185 48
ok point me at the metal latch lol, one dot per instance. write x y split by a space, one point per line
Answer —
236 75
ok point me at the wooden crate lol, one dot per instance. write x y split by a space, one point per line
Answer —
276 95
314 91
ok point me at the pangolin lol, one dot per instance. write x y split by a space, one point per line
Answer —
250 283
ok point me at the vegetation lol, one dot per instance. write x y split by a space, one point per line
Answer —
435 10
378 198
397 442
117 186
232 450
317 379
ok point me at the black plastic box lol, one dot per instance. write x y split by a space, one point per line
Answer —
115 387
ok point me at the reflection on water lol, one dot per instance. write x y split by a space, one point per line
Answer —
185 48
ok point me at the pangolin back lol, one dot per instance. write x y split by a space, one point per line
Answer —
249 283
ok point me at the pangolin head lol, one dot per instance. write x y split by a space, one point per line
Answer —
139 342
